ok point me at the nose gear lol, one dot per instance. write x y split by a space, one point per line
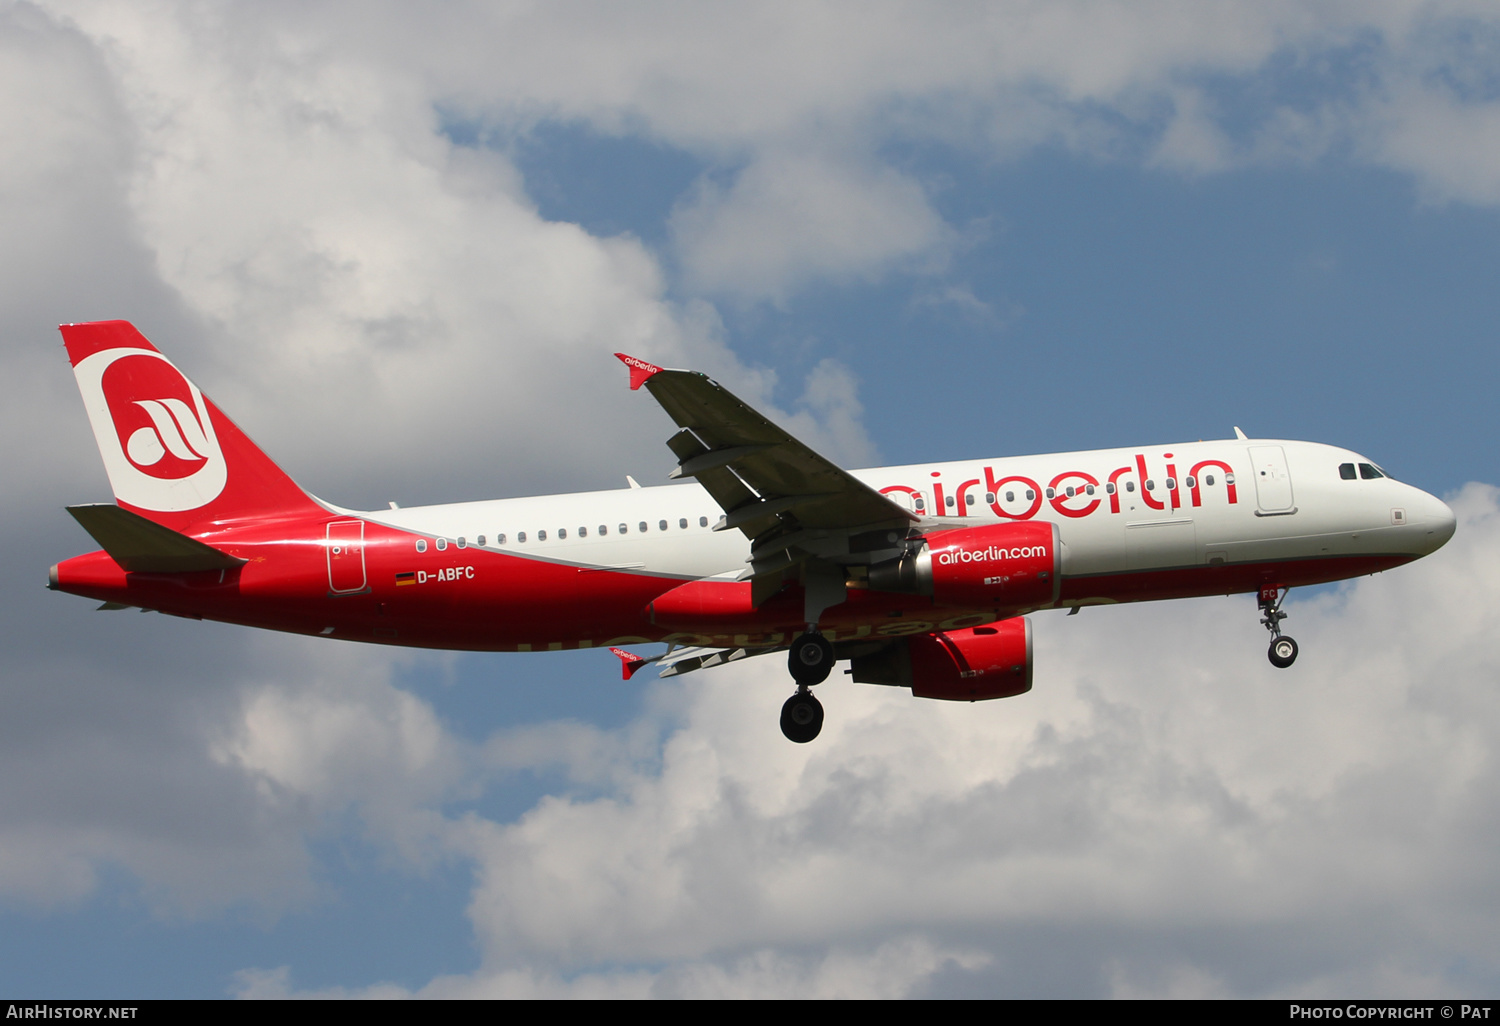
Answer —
1283 650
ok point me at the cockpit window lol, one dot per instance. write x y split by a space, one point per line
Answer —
1369 471
1346 471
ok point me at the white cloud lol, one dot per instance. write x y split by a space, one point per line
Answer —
805 99
1451 147
889 970
380 308
1193 141
293 190
789 219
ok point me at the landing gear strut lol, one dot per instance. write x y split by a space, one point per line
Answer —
810 660
1283 650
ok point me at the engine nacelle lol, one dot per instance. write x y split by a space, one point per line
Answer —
958 666
1012 566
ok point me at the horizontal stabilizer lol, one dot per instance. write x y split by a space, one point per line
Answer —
144 546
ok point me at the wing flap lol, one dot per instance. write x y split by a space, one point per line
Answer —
689 659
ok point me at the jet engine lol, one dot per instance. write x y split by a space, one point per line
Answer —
959 666
1013 566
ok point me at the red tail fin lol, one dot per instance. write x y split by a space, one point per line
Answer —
171 455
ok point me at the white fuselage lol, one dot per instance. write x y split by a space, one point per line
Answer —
1290 503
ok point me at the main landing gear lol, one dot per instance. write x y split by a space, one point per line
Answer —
811 661
1283 650
802 717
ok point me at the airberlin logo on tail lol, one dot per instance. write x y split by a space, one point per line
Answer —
153 430
174 429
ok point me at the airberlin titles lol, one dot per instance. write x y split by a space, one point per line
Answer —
993 552
1002 495
1032 574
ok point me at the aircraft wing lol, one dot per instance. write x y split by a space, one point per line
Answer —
789 501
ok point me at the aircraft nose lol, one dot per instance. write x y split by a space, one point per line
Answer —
1439 521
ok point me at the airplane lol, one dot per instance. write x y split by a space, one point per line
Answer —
918 576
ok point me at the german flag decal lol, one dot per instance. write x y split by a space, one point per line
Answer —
410 577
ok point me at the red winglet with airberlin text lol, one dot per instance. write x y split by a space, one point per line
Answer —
629 662
640 370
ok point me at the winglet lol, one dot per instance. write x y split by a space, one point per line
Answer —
629 663
640 370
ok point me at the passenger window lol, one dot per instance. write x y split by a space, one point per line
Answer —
920 504
1171 484
1208 479
500 539
643 527
703 521
562 533
461 543
1030 495
1346 471
661 525
949 501
1010 496
1051 493
1228 479
541 536
1189 482
1071 491
1150 485
421 544
682 523
1109 489
479 541
583 532
969 499
989 497
624 528
442 543
1089 489
1368 472
521 538
603 530
1130 486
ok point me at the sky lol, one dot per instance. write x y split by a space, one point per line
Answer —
398 244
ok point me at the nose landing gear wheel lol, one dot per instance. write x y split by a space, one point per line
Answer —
1283 652
810 659
802 717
